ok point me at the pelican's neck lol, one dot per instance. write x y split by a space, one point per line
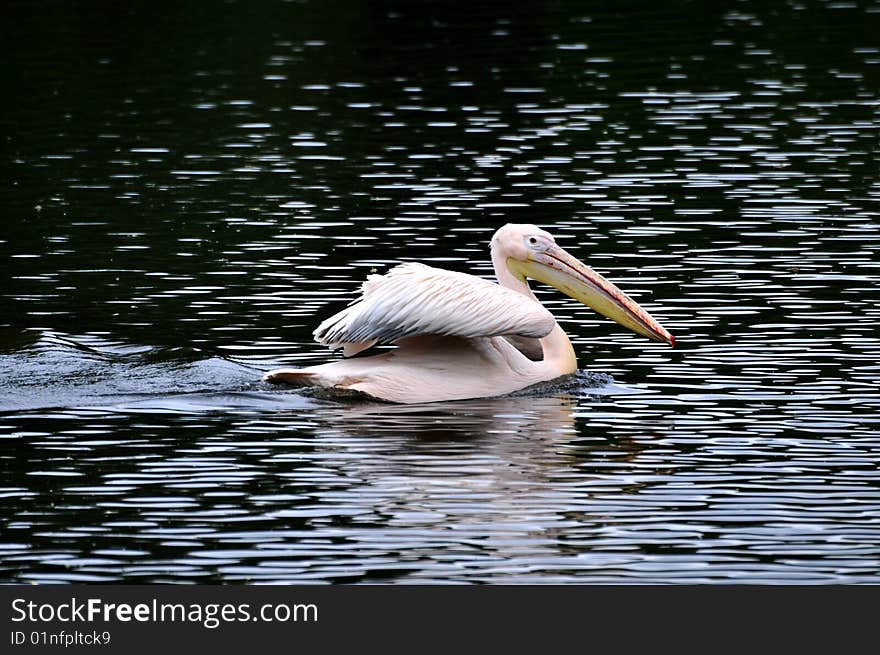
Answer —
556 346
508 279
558 352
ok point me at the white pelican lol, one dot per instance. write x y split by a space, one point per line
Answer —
459 336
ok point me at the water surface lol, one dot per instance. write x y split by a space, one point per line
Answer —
186 193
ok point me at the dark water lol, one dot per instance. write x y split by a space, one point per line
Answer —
188 191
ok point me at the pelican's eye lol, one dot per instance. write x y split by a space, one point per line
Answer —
536 243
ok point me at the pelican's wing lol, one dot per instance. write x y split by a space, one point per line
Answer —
413 299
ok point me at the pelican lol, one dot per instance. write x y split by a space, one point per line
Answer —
459 336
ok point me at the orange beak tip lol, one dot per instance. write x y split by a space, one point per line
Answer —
672 341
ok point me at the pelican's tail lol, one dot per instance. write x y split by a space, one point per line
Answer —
295 376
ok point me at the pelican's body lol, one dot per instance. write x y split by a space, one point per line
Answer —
460 336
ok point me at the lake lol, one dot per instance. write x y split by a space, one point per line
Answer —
189 190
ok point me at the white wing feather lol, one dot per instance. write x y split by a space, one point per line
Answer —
413 299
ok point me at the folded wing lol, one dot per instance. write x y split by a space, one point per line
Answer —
413 300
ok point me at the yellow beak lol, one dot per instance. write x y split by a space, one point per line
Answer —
572 277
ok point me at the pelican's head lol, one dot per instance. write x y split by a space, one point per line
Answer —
530 252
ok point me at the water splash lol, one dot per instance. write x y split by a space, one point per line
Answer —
56 370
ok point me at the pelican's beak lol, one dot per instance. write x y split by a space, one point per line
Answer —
572 277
